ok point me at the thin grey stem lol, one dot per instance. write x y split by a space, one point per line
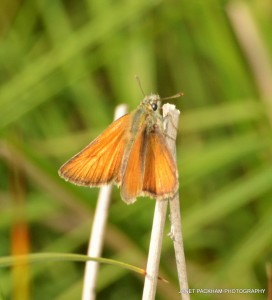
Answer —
98 230
154 254
176 228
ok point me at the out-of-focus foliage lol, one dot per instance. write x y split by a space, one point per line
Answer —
64 66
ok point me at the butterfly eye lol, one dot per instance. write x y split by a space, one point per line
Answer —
154 106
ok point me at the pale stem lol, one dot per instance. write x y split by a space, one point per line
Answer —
98 230
176 228
150 284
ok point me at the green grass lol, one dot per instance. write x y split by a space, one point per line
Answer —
64 66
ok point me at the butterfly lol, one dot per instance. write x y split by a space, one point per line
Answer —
132 153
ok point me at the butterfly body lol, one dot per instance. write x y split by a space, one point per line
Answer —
132 153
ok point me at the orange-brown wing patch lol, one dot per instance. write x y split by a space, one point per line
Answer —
160 175
100 161
132 180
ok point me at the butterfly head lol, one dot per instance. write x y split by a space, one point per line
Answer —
152 102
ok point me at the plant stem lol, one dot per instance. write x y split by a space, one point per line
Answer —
154 254
98 230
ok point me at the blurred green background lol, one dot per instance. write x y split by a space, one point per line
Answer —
64 66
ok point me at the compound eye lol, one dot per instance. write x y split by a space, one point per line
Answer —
154 106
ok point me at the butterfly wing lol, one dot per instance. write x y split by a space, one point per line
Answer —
100 161
150 168
160 174
132 178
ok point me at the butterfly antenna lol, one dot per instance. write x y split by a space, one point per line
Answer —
140 85
172 97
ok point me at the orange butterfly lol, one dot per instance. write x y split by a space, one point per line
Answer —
132 153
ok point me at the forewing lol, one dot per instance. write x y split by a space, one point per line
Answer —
132 180
160 174
100 161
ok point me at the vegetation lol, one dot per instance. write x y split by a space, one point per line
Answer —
64 66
